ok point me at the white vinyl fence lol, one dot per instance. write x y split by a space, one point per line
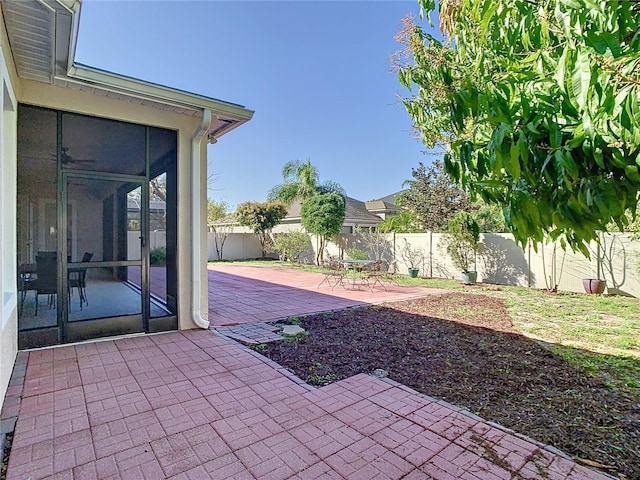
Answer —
500 260
156 239
236 246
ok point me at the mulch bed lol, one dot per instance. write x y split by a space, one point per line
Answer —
5 455
463 348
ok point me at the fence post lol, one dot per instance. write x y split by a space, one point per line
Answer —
529 263
430 253
555 267
395 262
598 259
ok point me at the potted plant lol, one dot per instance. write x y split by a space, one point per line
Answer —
412 257
462 240
595 285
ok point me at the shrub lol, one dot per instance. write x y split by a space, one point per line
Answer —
158 256
356 254
290 245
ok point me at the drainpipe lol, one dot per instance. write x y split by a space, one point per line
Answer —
196 244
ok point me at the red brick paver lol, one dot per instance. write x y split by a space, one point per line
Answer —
243 294
193 405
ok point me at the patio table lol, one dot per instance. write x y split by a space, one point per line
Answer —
356 266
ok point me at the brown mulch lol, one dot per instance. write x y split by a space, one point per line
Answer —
463 348
5 455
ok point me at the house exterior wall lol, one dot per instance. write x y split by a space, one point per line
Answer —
285 227
48 96
8 284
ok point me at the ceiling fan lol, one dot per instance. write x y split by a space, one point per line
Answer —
69 160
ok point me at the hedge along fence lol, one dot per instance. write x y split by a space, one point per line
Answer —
500 260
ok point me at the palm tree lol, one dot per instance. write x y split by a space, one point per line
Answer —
300 182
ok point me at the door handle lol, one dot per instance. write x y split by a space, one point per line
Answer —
142 242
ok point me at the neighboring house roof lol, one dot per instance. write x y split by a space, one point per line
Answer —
390 199
229 220
154 205
44 33
381 206
356 212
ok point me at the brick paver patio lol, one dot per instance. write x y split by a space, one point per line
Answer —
193 405
244 294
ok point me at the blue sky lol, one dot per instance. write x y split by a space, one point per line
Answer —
317 74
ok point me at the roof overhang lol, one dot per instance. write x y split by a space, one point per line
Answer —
43 36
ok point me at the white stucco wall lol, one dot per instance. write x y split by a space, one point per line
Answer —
8 285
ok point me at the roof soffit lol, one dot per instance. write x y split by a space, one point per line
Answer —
31 29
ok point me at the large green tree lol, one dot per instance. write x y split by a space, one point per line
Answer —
300 182
433 196
261 218
323 215
538 104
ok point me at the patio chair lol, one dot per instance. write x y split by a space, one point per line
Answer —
26 282
46 282
374 274
389 273
334 273
77 279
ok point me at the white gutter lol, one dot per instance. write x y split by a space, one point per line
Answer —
154 92
196 244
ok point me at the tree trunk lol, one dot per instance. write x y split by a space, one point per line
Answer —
320 254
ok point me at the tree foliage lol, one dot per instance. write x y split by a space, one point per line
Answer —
300 182
539 106
323 215
633 227
489 217
261 218
433 196
216 211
